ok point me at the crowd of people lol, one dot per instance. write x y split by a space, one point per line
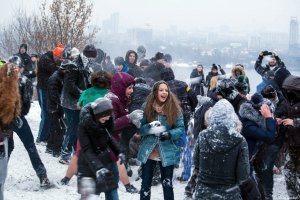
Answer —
101 119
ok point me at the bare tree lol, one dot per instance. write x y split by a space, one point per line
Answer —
63 21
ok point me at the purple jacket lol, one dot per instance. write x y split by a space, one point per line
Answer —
120 82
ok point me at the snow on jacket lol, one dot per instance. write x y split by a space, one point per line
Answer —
256 128
94 140
25 88
76 79
45 68
55 85
221 155
169 150
119 83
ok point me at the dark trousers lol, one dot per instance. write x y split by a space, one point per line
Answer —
70 138
44 130
292 172
166 179
57 130
26 137
265 172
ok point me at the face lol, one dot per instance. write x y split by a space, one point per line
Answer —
102 120
129 91
162 61
237 73
22 50
131 58
215 71
33 59
272 61
199 68
119 67
162 93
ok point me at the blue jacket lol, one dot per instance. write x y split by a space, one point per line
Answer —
169 150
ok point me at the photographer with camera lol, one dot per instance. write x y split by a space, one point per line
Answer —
273 73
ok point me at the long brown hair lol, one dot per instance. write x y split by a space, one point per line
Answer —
171 107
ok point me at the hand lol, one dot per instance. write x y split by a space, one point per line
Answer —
265 53
265 111
101 174
274 54
154 124
287 122
122 158
164 136
279 121
135 115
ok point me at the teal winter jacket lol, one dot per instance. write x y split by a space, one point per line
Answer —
169 150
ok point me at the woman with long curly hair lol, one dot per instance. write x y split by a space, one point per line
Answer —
161 130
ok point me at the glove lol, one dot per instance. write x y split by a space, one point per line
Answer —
18 122
154 124
135 117
164 136
122 158
274 54
265 53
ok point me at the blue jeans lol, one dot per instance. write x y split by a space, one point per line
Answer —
44 130
26 137
166 179
113 195
3 169
69 143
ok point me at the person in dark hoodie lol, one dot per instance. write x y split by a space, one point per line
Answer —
26 61
130 63
99 151
56 112
24 132
221 155
48 64
213 72
291 120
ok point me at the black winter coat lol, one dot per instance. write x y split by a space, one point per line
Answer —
139 95
25 88
45 68
198 85
98 148
76 79
28 66
55 85
223 163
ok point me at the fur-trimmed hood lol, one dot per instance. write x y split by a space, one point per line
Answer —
248 112
237 68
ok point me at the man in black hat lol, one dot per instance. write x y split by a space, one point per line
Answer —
26 61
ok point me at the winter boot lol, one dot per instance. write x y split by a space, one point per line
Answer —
65 181
56 154
64 162
44 182
48 150
131 189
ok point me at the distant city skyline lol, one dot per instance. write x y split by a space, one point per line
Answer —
207 15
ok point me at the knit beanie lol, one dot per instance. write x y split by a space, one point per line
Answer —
119 61
222 113
23 46
102 107
58 51
159 56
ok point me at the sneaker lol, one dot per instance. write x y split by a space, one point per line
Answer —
131 189
44 182
65 181
64 162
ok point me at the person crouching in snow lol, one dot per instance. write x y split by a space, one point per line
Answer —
161 129
97 168
221 155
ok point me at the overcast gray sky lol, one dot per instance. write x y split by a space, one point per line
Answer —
238 15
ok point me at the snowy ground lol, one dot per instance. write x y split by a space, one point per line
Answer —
22 182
